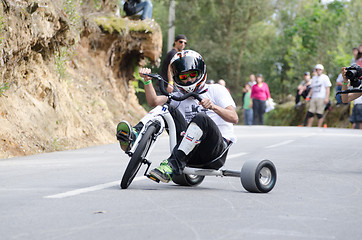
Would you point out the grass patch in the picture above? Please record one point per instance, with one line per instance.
(3, 88)
(119, 25)
(61, 59)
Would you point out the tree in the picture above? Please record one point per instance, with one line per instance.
(279, 38)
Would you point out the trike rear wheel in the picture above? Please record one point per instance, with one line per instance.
(187, 180)
(258, 176)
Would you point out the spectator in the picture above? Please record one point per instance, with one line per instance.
(350, 96)
(223, 83)
(178, 46)
(303, 88)
(247, 105)
(211, 81)
(356, 116)
(355, 54)
(132, 7)
(252, 81)
(319, 94)
(259, 93)
(339, 84)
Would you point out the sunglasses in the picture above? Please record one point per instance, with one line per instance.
(186, 75)
(182, 42)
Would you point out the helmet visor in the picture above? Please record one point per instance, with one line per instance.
(184, 76)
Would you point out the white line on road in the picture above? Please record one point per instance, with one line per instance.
(90, 189)
(280, 144)
(236, 155)
(110, 184)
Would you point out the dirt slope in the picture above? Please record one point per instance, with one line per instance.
(69, 81)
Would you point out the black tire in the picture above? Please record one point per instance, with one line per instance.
(187, 180)
(135, 163)
(258, 176)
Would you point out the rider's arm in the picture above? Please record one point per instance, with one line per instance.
(228, 114)
(170, 80)
(152, 99)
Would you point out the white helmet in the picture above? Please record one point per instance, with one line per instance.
(185, 61)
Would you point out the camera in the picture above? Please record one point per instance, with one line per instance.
(354, 74)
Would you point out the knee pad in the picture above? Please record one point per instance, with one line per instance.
(191, 138)
(319, 116)
(309, 114)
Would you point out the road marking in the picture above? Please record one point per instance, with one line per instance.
(90, 189)
(280, 144)
(110, 184)
(236, 155)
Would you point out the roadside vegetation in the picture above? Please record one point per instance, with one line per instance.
(280, 39)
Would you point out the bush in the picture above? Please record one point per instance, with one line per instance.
(287, 115)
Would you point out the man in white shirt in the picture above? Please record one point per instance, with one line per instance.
(319, 94)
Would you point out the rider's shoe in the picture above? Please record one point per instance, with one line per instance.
(162, 173)
(126, 135)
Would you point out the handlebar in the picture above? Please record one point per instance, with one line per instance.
(170, 95)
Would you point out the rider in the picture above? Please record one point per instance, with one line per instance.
(208, 124)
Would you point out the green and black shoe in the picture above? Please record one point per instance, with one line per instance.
(162, 173)
(126, 135)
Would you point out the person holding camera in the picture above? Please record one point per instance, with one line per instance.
(346, 84)
(352, 77)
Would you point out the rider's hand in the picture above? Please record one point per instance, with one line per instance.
(169, 88)
(207, 104)
(143, 71)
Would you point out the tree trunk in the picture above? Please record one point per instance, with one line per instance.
(243, 43)
(171, 25)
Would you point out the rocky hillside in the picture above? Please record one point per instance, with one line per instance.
(66, 73)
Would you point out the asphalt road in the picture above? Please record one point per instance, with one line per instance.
(76, 194)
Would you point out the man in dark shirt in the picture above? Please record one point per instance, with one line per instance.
(178, 46)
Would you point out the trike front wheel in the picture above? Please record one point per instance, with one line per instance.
(138, 157)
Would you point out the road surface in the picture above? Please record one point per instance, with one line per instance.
(76, 194)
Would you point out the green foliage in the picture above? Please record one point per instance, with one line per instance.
(138, 79)
(118, 25)
(97, 4)
(287, 115)
(71, 8)
(280, 39)
(61, 59)
(3, 88)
